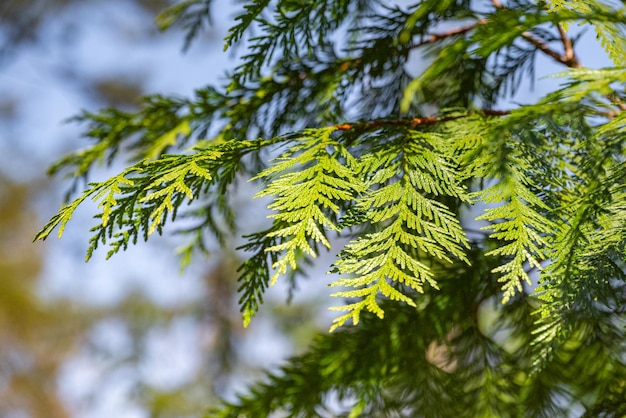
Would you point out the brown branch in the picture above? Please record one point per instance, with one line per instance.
(415, 122)
(453, 32)
(569, 54)
(613, 112)
(543, 47)
(568, 58)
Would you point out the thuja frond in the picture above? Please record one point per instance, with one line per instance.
(587, 261)
(516, 164)
(157, 128)
(254, 273)
(582, 282)
(518, 222)
(138, 201)
(522, 228)
(294, 29)
(192, 15)
(601, 89)
(410, 224)
(309, 183)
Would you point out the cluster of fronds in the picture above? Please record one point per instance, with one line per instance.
(399, 164)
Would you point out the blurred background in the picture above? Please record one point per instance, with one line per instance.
(131, 337)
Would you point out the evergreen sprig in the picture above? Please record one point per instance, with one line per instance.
(307, 200)
(139, 201)
(192, 15)
(410, 225)
(384, 122)
(518, 222)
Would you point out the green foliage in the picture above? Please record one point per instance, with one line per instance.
(611, 32)
(294, 30)
(192, 15)
(410, 225)
(356, 149)
(305, 199)
(139, 200)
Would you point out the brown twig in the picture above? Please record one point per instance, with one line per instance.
(569, 54)
(415, 122)
(543, 47)
(568, 58)
(453, 32)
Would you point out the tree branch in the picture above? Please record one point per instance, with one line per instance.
(453, 32)
(568, 58)
(569, 54)
(543, 47)
(415, 122)
(567, 43)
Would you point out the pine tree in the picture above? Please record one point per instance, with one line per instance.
(327, 114)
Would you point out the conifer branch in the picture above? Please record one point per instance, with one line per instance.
(415, 122)
(548, 178)
(453, 32)
(568, 58)
(543, 47)
(569, 54)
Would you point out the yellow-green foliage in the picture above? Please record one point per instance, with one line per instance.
(393, 167)
(411, 226)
